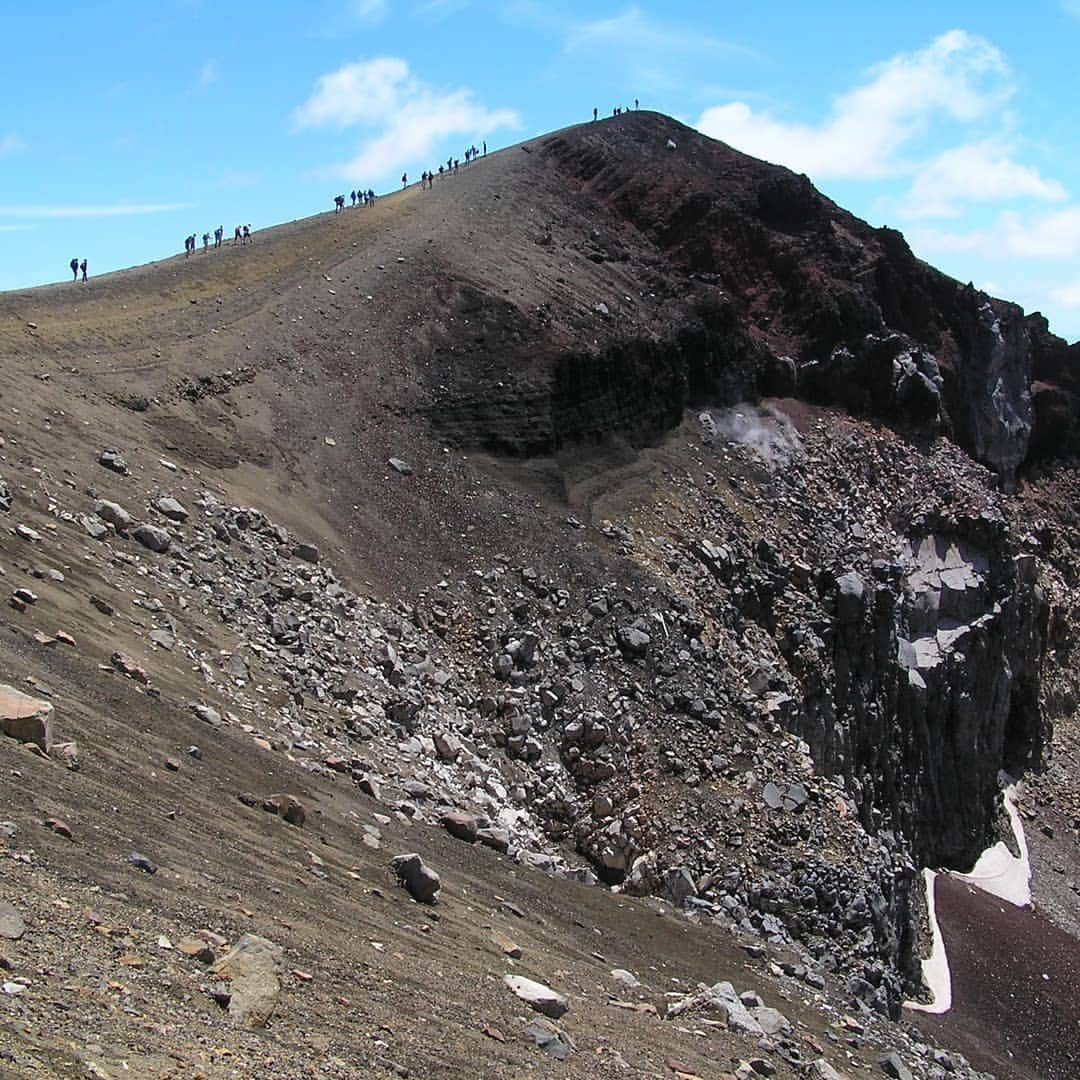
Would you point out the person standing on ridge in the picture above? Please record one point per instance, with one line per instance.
(82, 267)
(74, 264)
(404, 180)
(637, 104)
(595, 113)
(247, 234)
(485, 148)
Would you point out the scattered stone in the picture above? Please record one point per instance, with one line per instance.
(494, 1033)
(113, 460)
(494, 838)
(114, 514)
(102, 605)
(550, 1039)
(621, 975)
(287, 807)
(68, 754)
(197, 949)
(632, 641)
(141, 862)
(26, 596)
(506, 945)
(537, 996)
(126, 665)
(61, 828)
(720, 998)
(251, 969)
(12, 926)
(94, 527)
(306, 552)
(25, 718)
(400, 466)
(24, 532)
(822, 1070)
(420, 880)
(65, 638)
(207, 714)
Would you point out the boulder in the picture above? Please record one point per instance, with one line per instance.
(460, 825)
(420, 880)
(287, 807)
(154, 538)
(251, 969)
(25, 718)
(114, 514)
(537, 996)
(113, 461)
(12, 926)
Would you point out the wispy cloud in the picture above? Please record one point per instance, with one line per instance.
(959, 77)
(651, 53)
(30, 210)
(407, 116)
(208, 73)
(975, 172)
(11, 143)
(369, 11)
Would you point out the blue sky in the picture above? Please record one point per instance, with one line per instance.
(126, 125)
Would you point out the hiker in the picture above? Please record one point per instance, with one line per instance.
(219, 232)
(339, 203)
(82, 267)
(352, 198)
(637, 104)
(595, 113)
(485, 148)
(187, 246)
(404, 180)
(440, 172)
(205, 241)
(237, 235)
(456, 163)
(74, 264)
(247, 234)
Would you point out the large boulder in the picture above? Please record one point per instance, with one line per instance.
(251, 968)
(25, 718)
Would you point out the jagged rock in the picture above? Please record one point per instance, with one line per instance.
(632, 641)
(152, 537)
(207, 714)
(95, 528)
(459, 825)
(400, 466)
(141, 862)
(251, 969)
(494, 838)
(6, 496)
(822, 1070)
(720, 998)
(892, 1064)
(772, 1021)
(537, 996)
(549, 1039)
(420, 880)
(25, 718)
(173, 509)
(128, 666)
(447, 746)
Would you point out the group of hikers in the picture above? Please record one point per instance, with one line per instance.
(364, 198)
(76, 267)
(241, 235)
(427, 178)
(617, 111)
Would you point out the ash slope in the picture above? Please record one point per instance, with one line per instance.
(762, 662)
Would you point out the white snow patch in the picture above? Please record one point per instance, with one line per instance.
(997, 872)
(935, 967)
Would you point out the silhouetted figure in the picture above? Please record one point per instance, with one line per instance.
(206, 241)
(74, 264)
(219, 232)
(247, 234)
(352, 198)
(440, 172)
(595, 113)
(404, 180)
(339, 203)
(238, 235)
(82, 267)
(637, 104)
(456, 163)
(485, 148)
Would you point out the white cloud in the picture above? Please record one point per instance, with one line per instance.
(208, 73)
(1054, 236)
(369, 11)
(1068, 296)
(974, 172)
(11, 143)
(959, 76)
(408, 117)
(29, 210)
